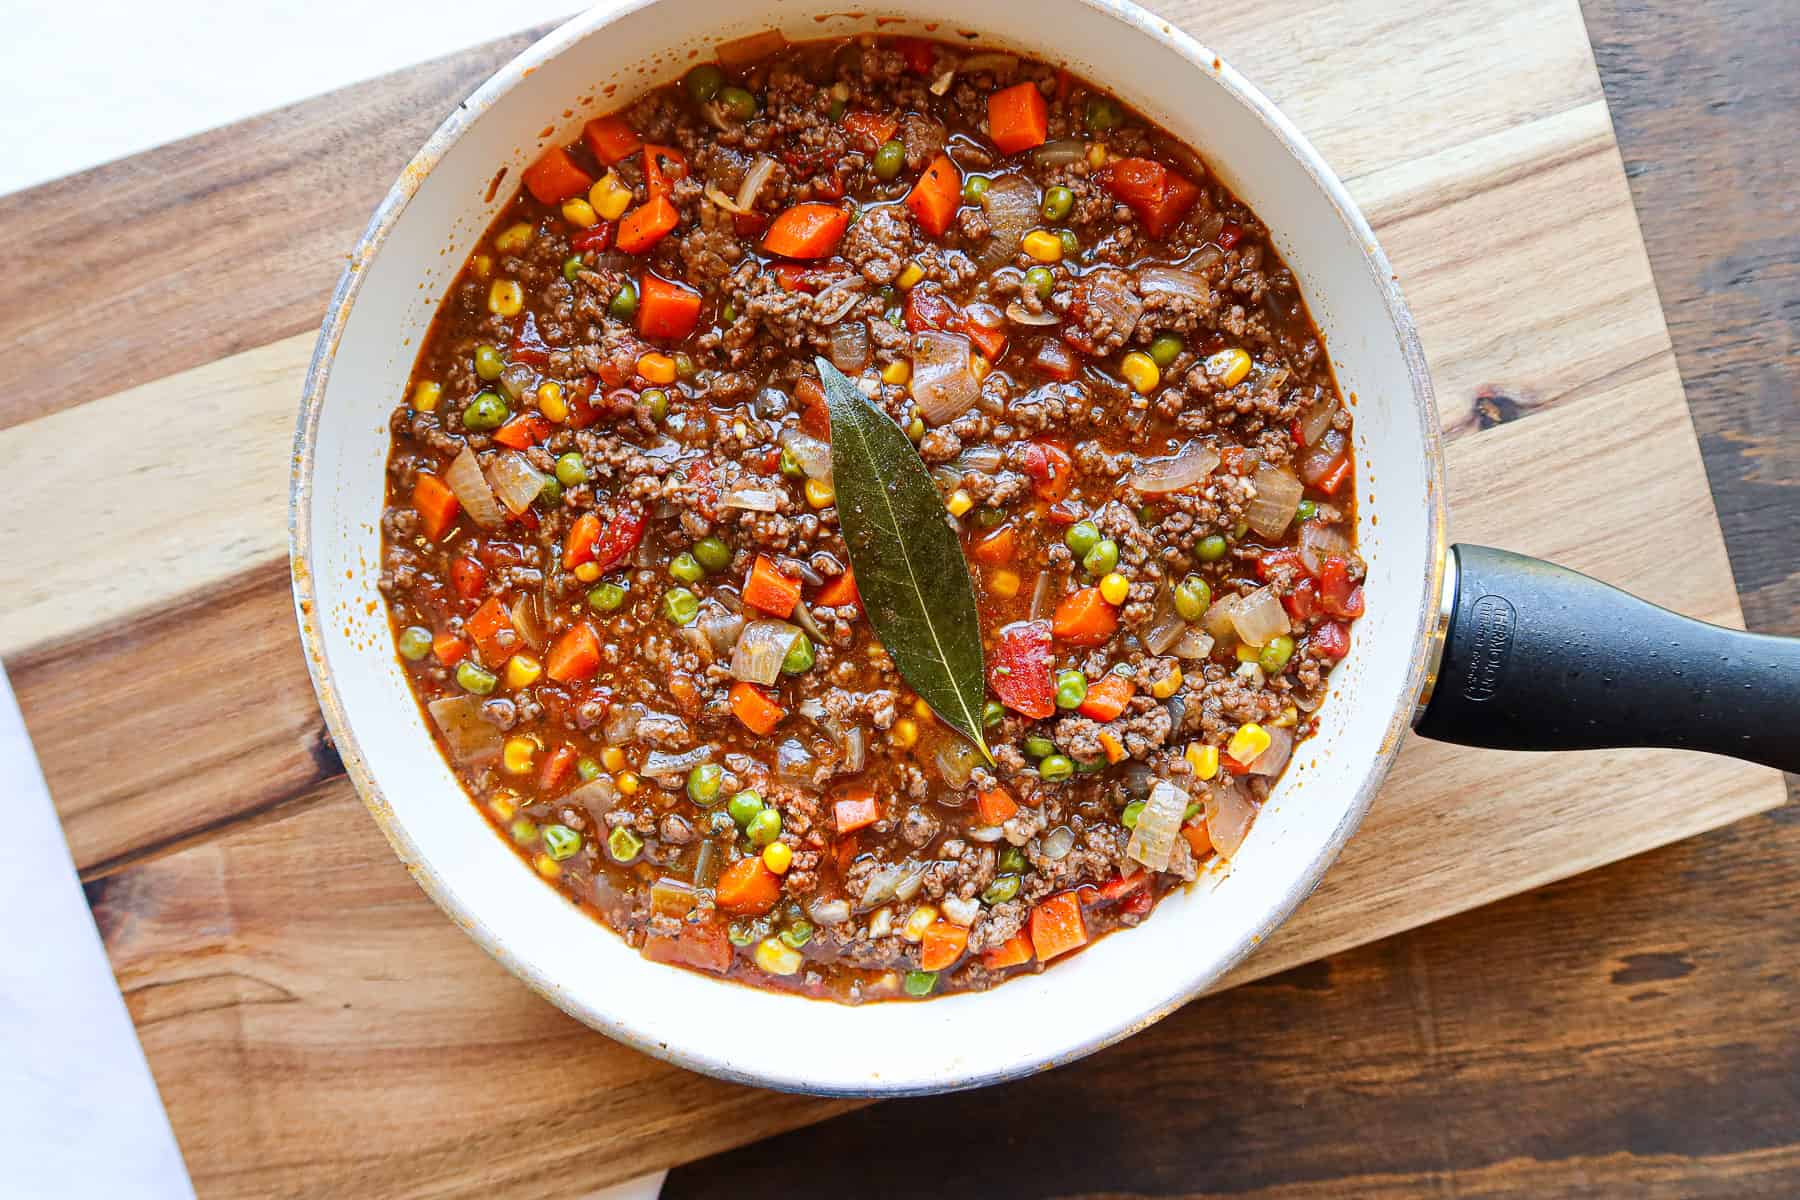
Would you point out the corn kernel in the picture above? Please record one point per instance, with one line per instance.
(922, 710)
(612, 758)
(587, 572)
(580, 213)
(1140, 371)
(657, 368)
(627, 783)
(778, 857)
(609, 196)
(426, 395)
(1228, 367)
(959, 503)
(1042, 245)
(1096, 154)
(522, 670)
(1203, 759)
(819, 493)
(483, 266)
(1004, 583)
(505, 806)
(517, 755)
(777, 957)
(1246, 653)
(514, 238)
(1248, 743)
(1165, 687)
(979, 366)
(921, 920)
(910, 274)
(905, 734)
(506, 298)
(1114, 587)
(1290, 717)
(550, 401)
(899, 372)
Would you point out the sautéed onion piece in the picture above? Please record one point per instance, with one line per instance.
(1158, 825)
(516, 482)
(1018, 315)
(1057, 843)
(464, 478)
(1281, 748)
(1319, 541)
(721, 626)
(760, 650)
(1277, 496)
(1259, 617)
(751, 499)
(1228, 816)
(1174, 281)
(468, 736)
(943, 380)
(525, 620)
(1011, 205)
(597, 795)
(1060, 153)
(660, 764)
(1166, 626)
(1155, 476)
(754, 179)
(956, 759)
(850, 346)
(813, 455)
(1317, 419)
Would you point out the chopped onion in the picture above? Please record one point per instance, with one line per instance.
(1040, 596)
(991, 60)
(1317, 419)
(794, 762)
(761, 649)
(1193, 166)
(597, 795)
(943, 381)
(879, 887)
(800, 567)
(696, 637)
(721, 625)
(1277, 496)
(468, 737)
(1019, 315)
(621, 725)
(802, 616)
(856, 744)
(910, 883)
(1194, 645)
(472, 491)
(1217, 619)
(1259, 617)
(515, 481)
(1318, 542)
(1059, 153)
(1320, 460)
(739, 52)
(525, 620)
(1281, 747)
(1011, 204)
(517, 379)
(752, 500)
(1158, 824)
(723, 201)
(850, 346)
(1057, 843)
(986, 833)
(881, 923)
(956, 759)
(1228, 817)
(1174, 281)
(1109, 293)
(1203, 259)
(985, 458)
(829, 912)
(660, 764)
(942, 83)
(813, 455)
(1166, 625)
(961, 910)
(831, 308)
(1157, 475)
(754, 178)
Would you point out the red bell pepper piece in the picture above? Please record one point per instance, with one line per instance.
(1020, 674)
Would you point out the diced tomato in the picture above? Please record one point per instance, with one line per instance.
(1064, 512)
(467, 576)
(1229, 234)
(1138, 903)
(611, 139)
(491, 629)
(701, 944)
(815, 414)
(1055, 359)
(1160, 197)
(1107, 698)
(1018, 118)
(1337, 595)
(448, 649)
(917, 53)
(528, 345)
(839, 592)
(1334, 479)
(1084, 618)
(750, 224)
(1020, 674)
(1274, 562)
(1057, 927)
(556, 767)
(623, 533)
(1332, 639)
(989, 339)
(575, 656)
(667, 311)
(1051, 469)
(872, 128)
(555, 177)
(856, 808)
(523, 431)
(1301, 601)
(928, 308)
(596, 237)
(1124, 885)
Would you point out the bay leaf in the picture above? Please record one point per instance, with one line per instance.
(908, 561)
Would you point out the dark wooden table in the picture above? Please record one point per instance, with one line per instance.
(1629, 1032)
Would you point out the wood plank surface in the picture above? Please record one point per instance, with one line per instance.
(295, 991)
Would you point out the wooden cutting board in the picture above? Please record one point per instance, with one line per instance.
(316, 1026)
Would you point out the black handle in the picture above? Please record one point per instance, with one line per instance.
(1537, 657)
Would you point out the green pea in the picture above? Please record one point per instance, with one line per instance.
(1004, 888)
(606, 597)
(1042, 281)
(975, 187)
(550, 492)
(1071, 245)
(587, 769)
(743, 806)
(624, 845)
(704, 783)
(1081, 537)
(1165, 349)
(1275, 654)
(654, 402)
(992, 713)
(1091, 766)
(684, 366)
(889, 159)
(687, 568)
(713, 553)
(486, 411)
(920, 983)
(835, 110)
(1013, 861)
(1102, 114)
(572, 266)
(1056, 767)
(1037, 745)
(799, 657)
(561, 842)
(414, 642)
(737, 103)
(790, 466)
(741, 933)
(1193, 810)
(1192, 598)
(570, 470)
(764, 827)
(703, 82)
(1071, 689)
(623, 306)
(1211, 548)
(680, 605)
(1307, 510)
(1129, 818)
(488, 363)
(1102, 558)
(1058, 201)
(729, 313)
(797, 934)
(524, 830)
(472, 678)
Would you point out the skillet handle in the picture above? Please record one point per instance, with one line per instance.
(1538, 657)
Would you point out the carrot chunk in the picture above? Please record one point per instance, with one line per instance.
(838, 593)
(856, 809)
(1107, 699)
(943, 943)
(1018, 118)
(995, 805)
(1010, 953)
(575, 656)
(751, 705)
(436, 504)
(487, 628)
(747, 887)
(611, 139)
(1057, 927)
(809, 230)
(1084, 618)
(554, 177)
(770, 590)
(934, 200)
(666, 310)
(646, 225)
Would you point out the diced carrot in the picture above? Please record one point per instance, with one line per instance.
(701, 944)
(810, 230)
(523, 431)
(1115, 750)
(936, 197)
(611, 139)
(855, 809)
(875, 128)
(815, 414)
(995, 805)
(1084, 618)
(753, 707)
(646, 225)
(1107, 699)
(448, 648)
(467, 576)
(666, 310)
(659, 181)
(557, 765)
(997, 548)
(1010, 953)
(943, 943)
(582, 536)
(1018, 118)
(1057, 927)
(554, 177)
(770, 590)
(575, 656)
(839, 592)
(989, 339)
(1199, 838)
(747, 887)
(436, 505)
(487, 627)
(845, 853)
